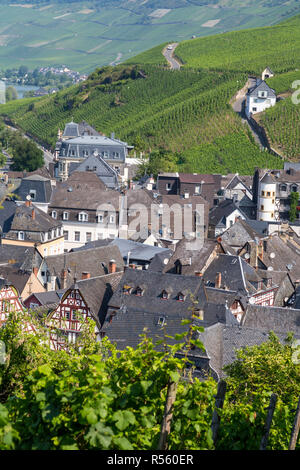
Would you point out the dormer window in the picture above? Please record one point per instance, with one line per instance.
(161, 321)
(164, 295)
(294, 188)
(180, 297)
(100, 218)
(262, 94)
(21, 236)
(54, 215)
(83, 217)
(32, 194)
(127, 289)
(65, 215)
(139, 291)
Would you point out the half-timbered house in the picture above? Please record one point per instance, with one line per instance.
(85, 299)
(9, 300)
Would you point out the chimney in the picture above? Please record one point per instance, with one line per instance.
(64, 279)
(28, 203)
(132, 266)
(261, 248)
(198, 274)
(218, 280)
(112, 267)
(35, 271)
(33, 214)
(85, 275)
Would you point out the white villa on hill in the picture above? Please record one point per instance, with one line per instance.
(259, 98)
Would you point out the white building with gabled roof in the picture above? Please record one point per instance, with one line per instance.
(259, 98)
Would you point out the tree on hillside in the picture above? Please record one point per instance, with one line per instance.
(11, 93)
(26, 156)
(159, 160)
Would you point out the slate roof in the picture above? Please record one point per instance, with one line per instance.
(83, 194)
(230, 181)
(222, 341)
(282, 256)
(153, 284)
(17, 277)
(94, 261)
(100, 167)
(32, 227)
(236, 275)
(23, 256)
(191, 260)
(98, 291)
(277, 319)
(240, 232)
(71, 130)
(41, 185)
(138, 251)
(218, 214)
(196, 178)
(77, 146)
(128, 315)
(261, 86)
(267, 179)
(7, 215)
(47, 298)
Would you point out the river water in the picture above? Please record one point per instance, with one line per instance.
(21, 89)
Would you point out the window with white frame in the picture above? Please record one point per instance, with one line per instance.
(21, 236)
(100, 218)
(112, 219)
(65, 215)
(54, 215)
(83, 217)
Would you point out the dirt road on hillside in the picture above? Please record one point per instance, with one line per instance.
(169, 55)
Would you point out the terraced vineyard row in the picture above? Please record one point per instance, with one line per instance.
(282, 124)
(184, 111)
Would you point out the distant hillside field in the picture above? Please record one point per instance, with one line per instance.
(185, 111)
(87, 34)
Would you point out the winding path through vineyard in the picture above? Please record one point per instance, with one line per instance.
(169, 55)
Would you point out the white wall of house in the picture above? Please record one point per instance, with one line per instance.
(80, 233)
(256, 105)
(240, 190)
(230, 220)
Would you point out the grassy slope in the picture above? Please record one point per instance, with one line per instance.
(186, 111)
